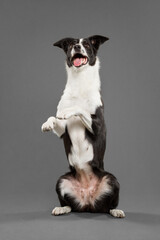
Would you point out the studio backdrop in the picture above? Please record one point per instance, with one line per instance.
(32, 79)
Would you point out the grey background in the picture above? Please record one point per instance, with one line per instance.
(32, 79)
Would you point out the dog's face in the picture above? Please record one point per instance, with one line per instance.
(81, 52)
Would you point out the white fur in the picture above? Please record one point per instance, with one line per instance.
(61, 210)
(81, 150)
(85, 195)
(49, 124)
(66, 187)
(54, 124)
(83, 50)
(77, 111)
(80, 98)
(82, 89)
(117, 213)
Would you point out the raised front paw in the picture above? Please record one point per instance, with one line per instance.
(48, 125)
(68, 113)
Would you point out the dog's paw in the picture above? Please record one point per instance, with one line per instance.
(61, 210)
(48, 125)
(68, 113)
(117, 213)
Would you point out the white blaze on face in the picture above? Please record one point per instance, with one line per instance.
(72, 52)
(83, 50)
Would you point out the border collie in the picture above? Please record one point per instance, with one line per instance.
(80, 123)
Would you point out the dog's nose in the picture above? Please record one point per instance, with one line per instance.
(77, 47)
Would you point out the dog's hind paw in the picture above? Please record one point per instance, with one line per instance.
(117, 213)
(61, 210)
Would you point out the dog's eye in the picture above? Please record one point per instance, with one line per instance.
(87, 45)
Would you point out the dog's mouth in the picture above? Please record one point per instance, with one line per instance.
(79, 59)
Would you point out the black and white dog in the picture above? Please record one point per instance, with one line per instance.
(80, 123)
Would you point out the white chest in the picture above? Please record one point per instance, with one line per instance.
(85, 102)
(82, 91)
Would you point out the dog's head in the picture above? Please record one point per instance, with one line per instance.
(81, 52)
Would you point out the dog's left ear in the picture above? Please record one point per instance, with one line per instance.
(97, 40)
(64, 43)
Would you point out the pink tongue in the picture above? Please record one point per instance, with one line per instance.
(77, 62)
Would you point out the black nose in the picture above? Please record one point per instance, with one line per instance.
(77, 47)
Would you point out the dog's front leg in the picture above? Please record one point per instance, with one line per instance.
(55, 125)
(77, 111)
(86, 120)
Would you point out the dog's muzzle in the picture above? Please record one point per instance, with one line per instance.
(79, 59)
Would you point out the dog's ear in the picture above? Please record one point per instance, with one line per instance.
(97, 40)
(64, 43)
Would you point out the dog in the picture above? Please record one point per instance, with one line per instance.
(79, 121)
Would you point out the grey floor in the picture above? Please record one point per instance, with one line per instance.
(41, 225)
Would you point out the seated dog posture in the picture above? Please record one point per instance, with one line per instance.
(80, 123)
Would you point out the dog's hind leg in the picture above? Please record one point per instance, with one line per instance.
(66, 189)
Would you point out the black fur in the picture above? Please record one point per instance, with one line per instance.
(67, 142)
(107, 201)
(91, 45)
(97, 139)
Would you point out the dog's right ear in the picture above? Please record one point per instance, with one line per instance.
(64, 43)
